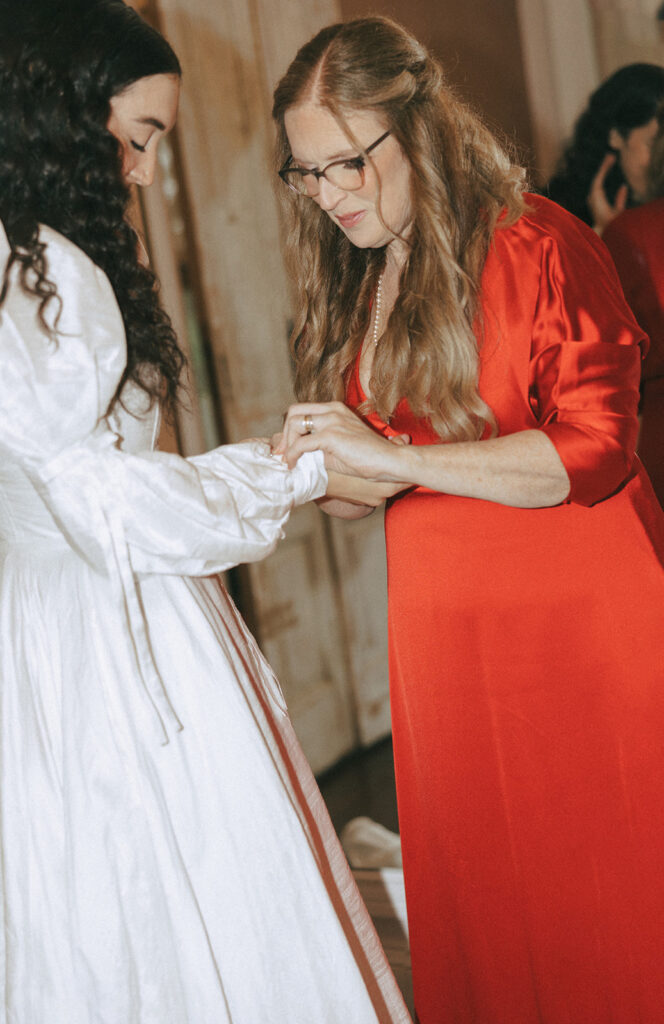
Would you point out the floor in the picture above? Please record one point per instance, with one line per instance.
(362, 785)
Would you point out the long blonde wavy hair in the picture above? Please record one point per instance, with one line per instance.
(462, 182)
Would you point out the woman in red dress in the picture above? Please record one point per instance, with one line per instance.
(524, 552)
(635, 241)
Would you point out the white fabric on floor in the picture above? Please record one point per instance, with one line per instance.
(368, 844)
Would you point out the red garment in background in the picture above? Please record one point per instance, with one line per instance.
(527, 672)
(636, 241)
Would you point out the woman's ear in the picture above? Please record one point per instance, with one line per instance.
(615, 140)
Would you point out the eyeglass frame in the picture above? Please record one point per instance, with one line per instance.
(318, 174)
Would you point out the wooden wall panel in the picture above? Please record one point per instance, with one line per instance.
(569, 47)
(561, 69)
(303, 597)
(479, 45)
(626, 31)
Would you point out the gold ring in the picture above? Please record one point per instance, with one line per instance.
(308, 424)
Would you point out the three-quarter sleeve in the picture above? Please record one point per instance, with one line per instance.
(585, 366)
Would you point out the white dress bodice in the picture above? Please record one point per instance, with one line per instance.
(25, 518)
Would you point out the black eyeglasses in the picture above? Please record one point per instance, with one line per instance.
(345, 174)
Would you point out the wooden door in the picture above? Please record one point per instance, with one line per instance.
(318, 604)
(627, 31)
(561, 68)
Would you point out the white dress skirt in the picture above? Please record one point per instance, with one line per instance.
(165, 855)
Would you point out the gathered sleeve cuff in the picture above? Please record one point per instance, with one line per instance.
(189, 517)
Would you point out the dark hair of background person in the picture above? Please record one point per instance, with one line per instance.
(628, 99)
(61, 62)
(656, 167)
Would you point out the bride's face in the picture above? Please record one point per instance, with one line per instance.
(141, 115)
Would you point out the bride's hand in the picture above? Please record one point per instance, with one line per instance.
(358, 491)
(602, 210)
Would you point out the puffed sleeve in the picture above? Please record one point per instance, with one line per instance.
(179, 516)
(586, 364)
(125, 514)
(182, 516)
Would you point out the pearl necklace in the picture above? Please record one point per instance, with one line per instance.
(379, 299)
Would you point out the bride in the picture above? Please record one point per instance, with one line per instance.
(165, 854)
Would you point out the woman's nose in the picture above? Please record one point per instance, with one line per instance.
(329, 194)
(140, 168)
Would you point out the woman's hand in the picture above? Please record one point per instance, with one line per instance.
(522, 469)
(603, 212)
(350, 446)
(358, 491)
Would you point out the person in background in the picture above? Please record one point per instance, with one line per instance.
(166, 855)
(436, 300)
(604, 168)
(635, 240)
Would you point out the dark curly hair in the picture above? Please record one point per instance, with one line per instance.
(628, 99)
(61, 62)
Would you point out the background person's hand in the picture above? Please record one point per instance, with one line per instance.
(602, 210)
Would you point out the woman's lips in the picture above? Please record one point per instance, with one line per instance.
(350, 220)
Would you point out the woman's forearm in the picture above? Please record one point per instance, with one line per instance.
(340, 509)
(358, 490)
(523, 470)
(353, 497)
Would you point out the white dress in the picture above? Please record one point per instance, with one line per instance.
(165, 857)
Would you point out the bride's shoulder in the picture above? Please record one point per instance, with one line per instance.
(80, 304)
(64, 259)
(63, 255)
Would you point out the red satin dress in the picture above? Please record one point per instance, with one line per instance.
(527, 672)
(635, 239)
